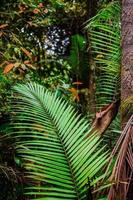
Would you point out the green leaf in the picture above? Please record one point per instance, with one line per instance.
(51, 141)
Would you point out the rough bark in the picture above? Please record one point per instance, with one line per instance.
(127, 61)
(91, 103)
(127, 50)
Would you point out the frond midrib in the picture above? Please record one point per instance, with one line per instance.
(51, 119)
(66, 156)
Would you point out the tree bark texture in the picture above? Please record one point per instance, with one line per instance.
(90, 96)
(127, 49)
(127, 61)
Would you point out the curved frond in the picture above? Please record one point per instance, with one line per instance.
(52, 142)
(122, 172)
(104, 33)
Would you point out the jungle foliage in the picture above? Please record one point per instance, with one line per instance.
(59, 101)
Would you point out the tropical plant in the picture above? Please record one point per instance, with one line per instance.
(104, 34)
(60, 160)
(122, 172)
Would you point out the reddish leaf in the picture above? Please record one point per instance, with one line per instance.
(27, 62)
(26, 52)
(8, 68)
(77, 83)
(40, 5)
(34, 59)
(74, 94)
(3, 26)
(36, 11)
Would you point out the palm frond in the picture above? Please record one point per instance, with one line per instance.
(104, 33)
(123, 169)
(52, 142)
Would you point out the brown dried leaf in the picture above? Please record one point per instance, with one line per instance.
(123, 169)
(27, 52)
(27, 62)
(104, 118)
(3, 26)
(8, 68)
(74, 93)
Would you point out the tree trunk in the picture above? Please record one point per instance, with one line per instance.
(127, 51)
(127, 62)
(90, 94)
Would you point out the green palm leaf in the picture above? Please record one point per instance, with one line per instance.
(104, 33)
(52, 142)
